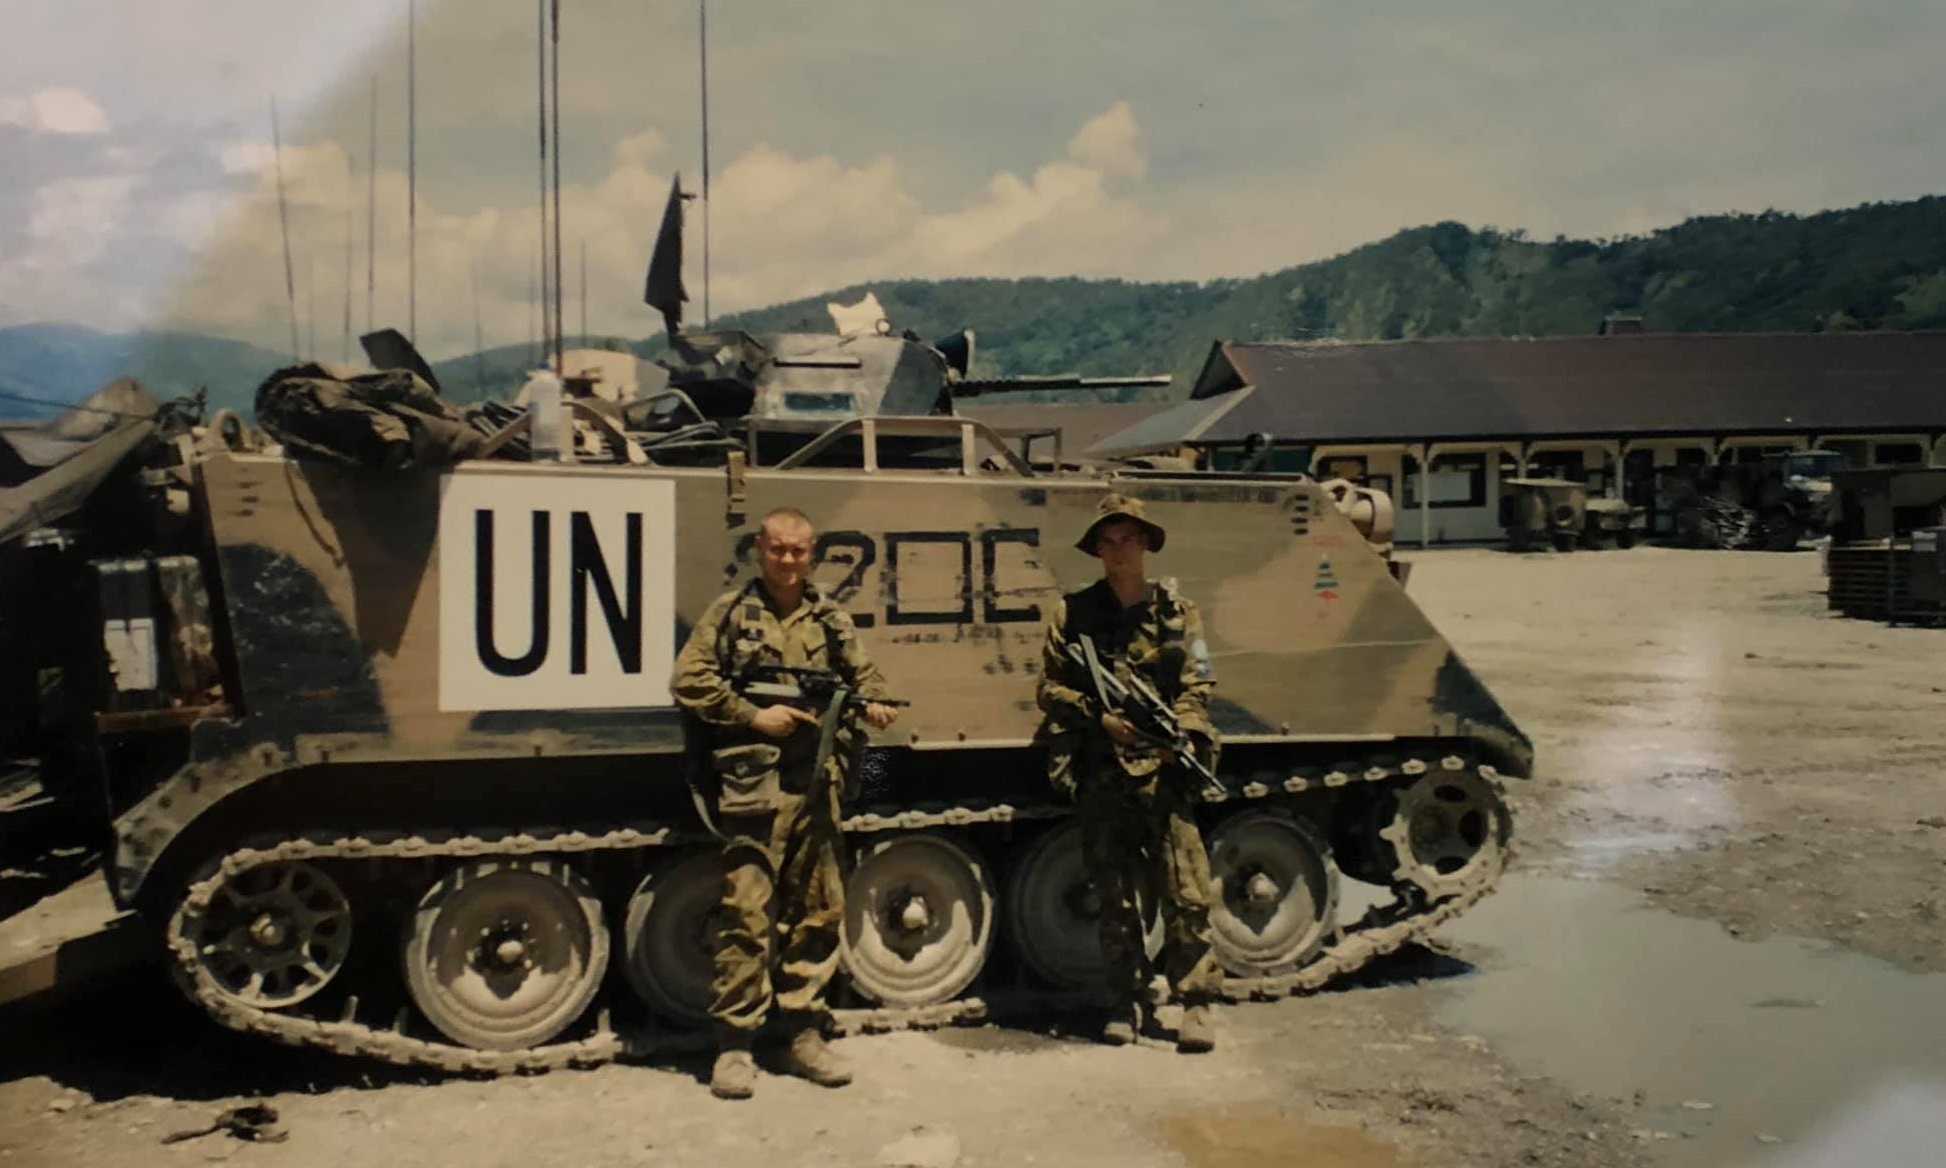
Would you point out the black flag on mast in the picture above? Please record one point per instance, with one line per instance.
(664, 290)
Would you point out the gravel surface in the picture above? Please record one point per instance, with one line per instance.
(1707, 734)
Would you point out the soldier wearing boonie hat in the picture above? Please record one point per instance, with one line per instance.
(1134, 802)
(1115, 507)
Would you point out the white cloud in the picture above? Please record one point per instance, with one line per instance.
(638, 149)
(1264, 136)
(74, 219)
(54, 111)
(1110, 143)
(782, 226)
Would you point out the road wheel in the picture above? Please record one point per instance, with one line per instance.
(1054, 913)
(1276, 891)
(668, 951)
(918, 919)
(506, 954)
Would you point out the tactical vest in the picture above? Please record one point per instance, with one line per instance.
(744, 650)
(1165, 670)
(749, 768)
(1074, 750)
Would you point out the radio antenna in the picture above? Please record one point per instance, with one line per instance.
(702, 44)
(479, 331)
(371, 210)
(560, 360)
(412, 171)
(351, 229)
(540, 49)
(284, 225)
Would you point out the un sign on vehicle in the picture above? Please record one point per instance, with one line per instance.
(556, 591)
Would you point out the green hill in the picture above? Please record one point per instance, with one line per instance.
(44, 366)
(1879, 266)
(1876, 266)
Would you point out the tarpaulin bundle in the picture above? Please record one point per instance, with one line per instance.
(388, 420)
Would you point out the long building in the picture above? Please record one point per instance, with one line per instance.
(1441, 423)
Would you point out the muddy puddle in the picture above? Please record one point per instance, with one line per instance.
(1771, 1054)
(1258, 1137)
(999, 1039)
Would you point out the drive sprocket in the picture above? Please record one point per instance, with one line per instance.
(1449, 832)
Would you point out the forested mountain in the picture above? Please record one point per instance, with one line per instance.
(1877, 266)
(1881, 266)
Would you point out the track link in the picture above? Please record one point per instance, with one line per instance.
(1382, 931)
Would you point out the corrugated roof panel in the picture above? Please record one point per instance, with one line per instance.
(1567, 386)
(1172, 427)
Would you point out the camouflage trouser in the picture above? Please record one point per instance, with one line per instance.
(1141, 844)
(786, 863)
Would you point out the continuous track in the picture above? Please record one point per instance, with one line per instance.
(1383, 930)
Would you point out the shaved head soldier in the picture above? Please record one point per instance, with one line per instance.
(780, 822)
(1133, 800)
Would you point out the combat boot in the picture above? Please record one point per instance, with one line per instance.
(809, 1058)
(1196, 1033)
(735, 1074)
(1124, 1024)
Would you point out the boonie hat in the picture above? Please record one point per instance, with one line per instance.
(1120, 507)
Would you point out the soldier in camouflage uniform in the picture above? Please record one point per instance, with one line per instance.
(1134, 805)
(780, 822)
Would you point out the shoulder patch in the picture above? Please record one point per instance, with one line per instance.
(1199, 653)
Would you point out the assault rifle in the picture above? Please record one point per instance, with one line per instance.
(825, 692)
(1136, 702)
(810, 687)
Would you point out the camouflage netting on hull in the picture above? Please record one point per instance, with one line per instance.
(388, 420)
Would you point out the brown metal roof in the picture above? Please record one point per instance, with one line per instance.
(1668, 383)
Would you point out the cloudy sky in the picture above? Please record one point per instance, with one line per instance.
(875, 139)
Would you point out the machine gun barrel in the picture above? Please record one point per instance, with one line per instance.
(1053, 381)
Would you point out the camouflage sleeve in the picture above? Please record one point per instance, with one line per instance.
(1198, 677)
(1058, 695)
(857, 665)
(698, 683)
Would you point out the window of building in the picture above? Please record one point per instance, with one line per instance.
(1457, 480)
(1898, 453)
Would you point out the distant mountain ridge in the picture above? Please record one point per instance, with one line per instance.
(63, 363)
(1875, 266)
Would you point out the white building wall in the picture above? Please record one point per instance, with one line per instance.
(1449, 482)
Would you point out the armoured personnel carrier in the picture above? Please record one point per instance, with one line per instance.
(393, 770)
(391, 767)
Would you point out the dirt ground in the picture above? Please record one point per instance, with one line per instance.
(1707, 735)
